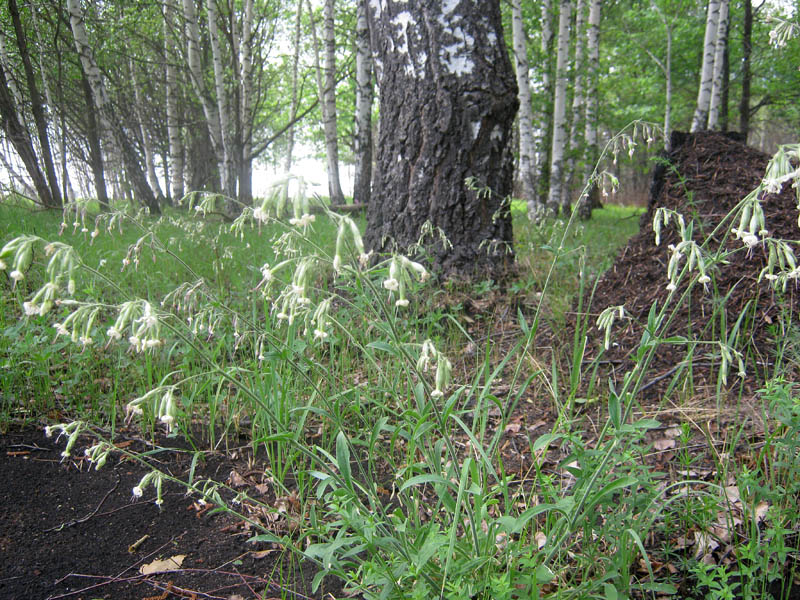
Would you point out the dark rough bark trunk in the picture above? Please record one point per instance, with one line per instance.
(37, 108)
(93, 137)
(21, 139)
(747, 48)
(448, 98)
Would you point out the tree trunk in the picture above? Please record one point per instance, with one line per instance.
(144, 193)
(707, 71)
(327, 98)
(717, 80)
(247, 94)
(53, 200)
(93, 137)
(576, 123)
(545, 142)
(363, 133)
(174, 113)
(560, 109)
(295, 70)
(527, 143)
(147, 146)
(20, 138)
(592, 198)
(747, 49)
(226, 167)
(448, 99)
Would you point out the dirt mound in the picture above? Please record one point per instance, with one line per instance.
(704, 177)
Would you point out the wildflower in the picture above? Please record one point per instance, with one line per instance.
(391, 284)
(48, 431)
(3, 265)
(16, 275)
(86, 340)
(137, 492)
(114, 333)
(152, 343)
(30, 308)
(266, 273)
(320, 334)
(103, 262)
(750, 240)
(60, 329)
(84, 230)
(671, 287)
(401, 302)
(95, 233)
(260, 215)
(49, 249)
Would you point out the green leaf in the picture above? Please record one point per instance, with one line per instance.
(384, 346)
(543, 441)
(426, 478)
(343, 459)
(610, 591)
(614, 411)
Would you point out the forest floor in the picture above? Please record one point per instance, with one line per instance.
(66, 532)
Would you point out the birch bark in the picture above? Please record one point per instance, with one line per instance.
(295, 72)
(174, 129)
(527, 142)
(576, 122)
(363, 133)
(246, 114)
(591, 199)
(144, 193)
(717, 79)
(707, 71)
(560, 109)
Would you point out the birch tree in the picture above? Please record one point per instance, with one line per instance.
(576, 122)
(591, 199)
(717, 80)
(295, 74)
(173, 112)
(560, 109)
(326, 86)
(527, 142)
(363, 121)
(448, 97)
(707, 71)
(144, 193)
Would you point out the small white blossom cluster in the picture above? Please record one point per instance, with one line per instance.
(156, 479)
(402, 272)
(429, 356)
(348, 233)
(79, 323)
(606, 320)
(751, 223)
(781, 265)
(164, 405)
(727, 355)
(144, 323)
(98, 454)
(71, 430)
(685, 248)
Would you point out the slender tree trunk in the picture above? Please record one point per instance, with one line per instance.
(144, 193)
(576, 125)
(295, 70)
(93, 138)
(227, 164)
(15, 179)
(327, 98)
(447, 100)
(718, 73)
(20, 138)
(592, 198)
(726, 81)
(174, 113)
(747, 49)
(246, 86)
(37, 108)
(363, 137)
(147, 145)
(545, 143)
(527, 143)
(560, 109)
(707, 71)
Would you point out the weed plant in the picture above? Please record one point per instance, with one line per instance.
(389, 450)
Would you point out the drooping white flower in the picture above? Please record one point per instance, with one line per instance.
(137, 492)
(17, 275)
(60, 329)
(30, 308)
(671, 287)
(391, 284)
(401, 302)
(113, 333)
(320, 334)
(750, 240)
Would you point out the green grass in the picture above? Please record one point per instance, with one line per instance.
(387, 422)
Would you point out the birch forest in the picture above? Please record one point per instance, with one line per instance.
(144, 102)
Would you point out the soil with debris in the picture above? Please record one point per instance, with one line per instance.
(704, 177)
(68, 531)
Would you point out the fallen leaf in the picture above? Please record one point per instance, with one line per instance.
(761, 510)
(236, 480)
(262, 553)
(664, 444)
(160, 566)
(512, 428)
(540, 538)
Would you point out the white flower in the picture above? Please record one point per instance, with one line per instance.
(135, 343)
(152, 343)
(750, 240)
(48, 431)
(437, 394)
(49, 249)
(402, 302)
(282, 316)
(95, 233)
(60, 329)
(103, 263)
(114, 333)
(137, 492)
(3, 265)
(16, 275)
(391, 284)
(320, 334)
(86, 340)
(671, 287)
(84, 230)
(260, 214)
(704, 279)
(266, 273)
(167, 419)
(30, 308)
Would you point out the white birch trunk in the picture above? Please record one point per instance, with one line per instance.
(593, 67)
(363, 131)
(719, 59)
(11, 79)
(174, 132)
(295, 71)
(576, 126)
(560, 109)
(527, 144)
(246, 86)
(226, 166)
(544, 141)
(707, 71)
(210, 111)
(327, 98)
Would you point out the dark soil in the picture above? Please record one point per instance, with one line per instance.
(66, 531)
(704, 177)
